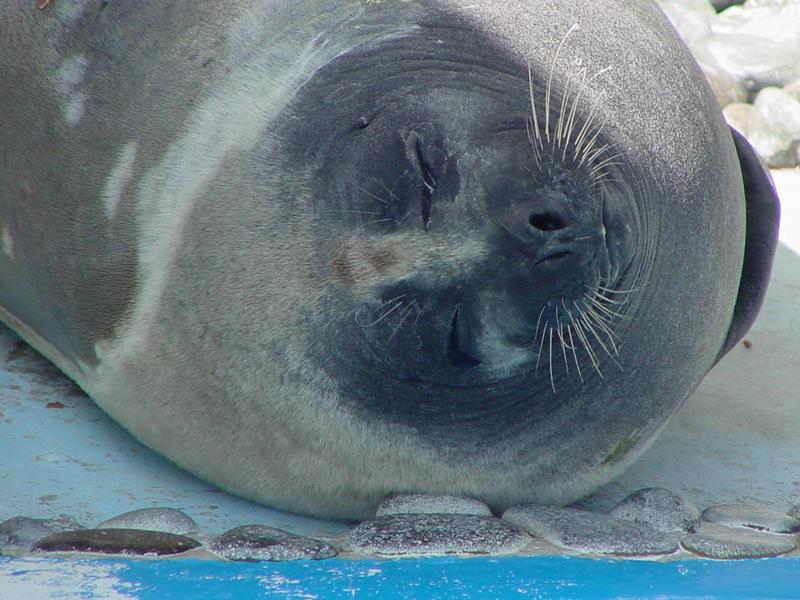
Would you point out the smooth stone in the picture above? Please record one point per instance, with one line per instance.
(793, 89)
(725, 543)
(166, 520)
(738, 115)
(259, 542)
(421, 504)
(751, 516)
(21, 533)
(658, 508)
(587, 532)
(759, 43)
(720, 5)
(727, 88)
(436, 535)
(692, 18)
(774, 128)
(116, 541)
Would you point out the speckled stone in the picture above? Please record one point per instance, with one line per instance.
(590, 533)
(20, 533)
(660, 509)
(259, 542)
(436, 534)
(751, 516)
(726, 543)
(116, 541)
(166, 520)
(421, 504)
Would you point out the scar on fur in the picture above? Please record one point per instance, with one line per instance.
(42, 4)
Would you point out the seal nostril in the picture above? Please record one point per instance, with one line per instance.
(547, 221)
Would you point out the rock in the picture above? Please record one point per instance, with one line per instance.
(421, 504)
(167, 520)
(587, 532)
(436, 534)
(259, 542)
(793, 89)
(751, 516)
(726, 87)
(692, 18)
(774, 127)
(715, 541)
(20, 533)
(116, 541)
(759, 44)
(720, 5)
(658, 508)
(738, 116)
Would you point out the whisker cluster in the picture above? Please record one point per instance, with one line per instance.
(565, 137)
(585, 326)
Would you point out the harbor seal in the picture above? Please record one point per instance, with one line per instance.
(321, 251)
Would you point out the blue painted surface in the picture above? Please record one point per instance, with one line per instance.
(513, 577)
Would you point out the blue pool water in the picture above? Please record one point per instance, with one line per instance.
(515, 577)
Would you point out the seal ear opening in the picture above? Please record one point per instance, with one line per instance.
(761, 240)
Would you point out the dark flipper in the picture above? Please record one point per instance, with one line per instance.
(761, 241)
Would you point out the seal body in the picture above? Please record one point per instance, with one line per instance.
(318, 252)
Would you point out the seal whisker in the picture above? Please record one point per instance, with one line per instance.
(596, 303)
(536, 130)
(541, 347)
(561, 341)
(599, 322)
(549, 89)
(615, 291)
(550, 362)
(588, 347)
(590, 143)
(590, 327)
(574, 353)
(404, 315)
(538, 322)
(399, 303)
(585, 83)
(371, 195)
(561, 123)
(584, 131)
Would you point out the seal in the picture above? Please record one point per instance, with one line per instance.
(322, 251)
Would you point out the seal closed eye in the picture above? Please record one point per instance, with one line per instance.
(329, 250)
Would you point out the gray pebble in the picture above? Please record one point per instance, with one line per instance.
(587, 532)
(774, 127)
(715, 541)
(720, 5)
(167, 520)
(738, 115)
(259, 542)
(116, 541)
(793, 89)
(660, 509)
(421, 504)
(751, 516)
(760, 44)
(692, 18)
(436, 534)
(20, 533)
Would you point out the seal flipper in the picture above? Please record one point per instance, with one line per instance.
(761, 240)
